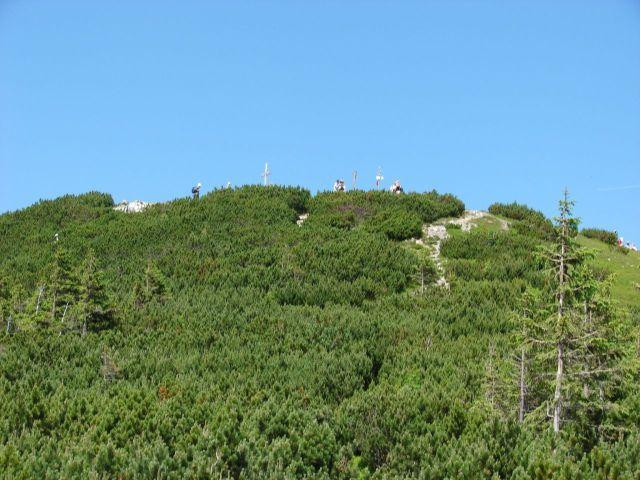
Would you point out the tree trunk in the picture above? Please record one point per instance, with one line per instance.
(522, 387)
(557, 397)
(84, 326)
(586, 392)
(53, 307)
(65, 311)
(38, 302)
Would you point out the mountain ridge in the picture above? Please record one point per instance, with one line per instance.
(241, 344)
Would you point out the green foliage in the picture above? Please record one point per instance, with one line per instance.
(152, 287)
(241, 345)
(397, 223)
(63, 284)
(95, 311)
(606, 236)
(503, 256)
(621, 265)
(399, 217)
(571, 338)
(527, 220)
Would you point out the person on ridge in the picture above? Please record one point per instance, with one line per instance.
(195, 191)
(396, 187)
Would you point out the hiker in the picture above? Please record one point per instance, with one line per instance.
(338, 186)
(396, 187)
(195, 191)
(620, 241)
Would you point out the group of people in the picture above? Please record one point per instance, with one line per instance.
(195, 191)
(630, 246)
(340, 186)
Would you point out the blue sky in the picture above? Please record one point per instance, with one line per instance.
(489, 100)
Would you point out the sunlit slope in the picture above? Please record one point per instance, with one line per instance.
(320, 351)
(624, 267)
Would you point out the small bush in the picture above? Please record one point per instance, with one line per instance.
(397, 224)
(623, 250)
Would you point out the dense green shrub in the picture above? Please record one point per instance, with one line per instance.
(246, 346)
(397, 223)
(428, 206)
(606, 236)
(399, 217)
(528, 221)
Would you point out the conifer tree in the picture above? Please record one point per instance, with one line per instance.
(425, 271)
(17, 317)
(153, 286)
(4, 299)
(571, 333)
(38, 306)
(525, 376)
(64, 286)
(93, 306)
(497, 378)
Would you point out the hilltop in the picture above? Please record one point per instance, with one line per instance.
(373, 339)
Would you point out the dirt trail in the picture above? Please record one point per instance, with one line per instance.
(438, 232)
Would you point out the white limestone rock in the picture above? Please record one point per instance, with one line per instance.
(136, 206)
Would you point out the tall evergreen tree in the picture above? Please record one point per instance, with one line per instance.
(425, 271)
(93, 306)
(4, 299)
(153, 286)
(64, 285)
(17, 316)
(571, 332)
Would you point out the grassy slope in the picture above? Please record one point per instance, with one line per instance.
(626, 269)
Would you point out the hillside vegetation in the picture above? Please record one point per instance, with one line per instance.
(624, 267)
(218, 339)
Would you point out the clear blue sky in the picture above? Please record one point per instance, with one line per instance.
(490, 100)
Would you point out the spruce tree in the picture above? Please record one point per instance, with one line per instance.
(39, 303)
(17, 316)
(93, 305)
(571, 332)
(4, 299)
(425, 271)
(64, 285)
(153, 286)
(525, 371)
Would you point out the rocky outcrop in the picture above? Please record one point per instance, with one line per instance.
(302, 218)
(136, 206)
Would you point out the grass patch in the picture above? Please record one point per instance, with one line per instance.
(625, 267)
